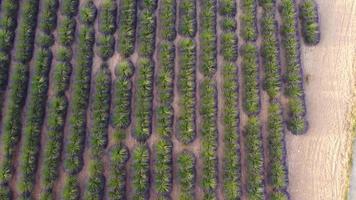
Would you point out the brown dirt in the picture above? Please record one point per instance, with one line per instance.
(318, 161)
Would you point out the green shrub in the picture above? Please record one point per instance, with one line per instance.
(33, 122)
(107, 17)
(140, 172)
(150, 5)
(248, 20)
(186, 175)
(96, 181)
(69, 8)
(255, 188)
(66, 31)
(250, 79)
(44, 40)
(64, 54)
(187, 18)
(208, 112)
(167, 17)
(277, 195)
(106, 46)
(227, 7)
(164, 82)
(88, 13)
(127, 27)
(310, 23)
(146, 33)
(48, 20)
(163, 167)
(144, 98)
(228, 24)
(186, 89)
(9, 11)
(80, 97)
(231, 163)
(228, 46)
(117, 179)
(71, 190)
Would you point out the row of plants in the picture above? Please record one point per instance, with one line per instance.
(186, 175)
(8, 24)
(144, 98)
(121, 111)
(37, 99)
(208, 112)
(163, 167)
(146, 32)
(140, 179)
(69, 8)
(186, 89)
(187, 13)
(253, 139)
(251, 100)
(107, 27)
(127, 27)
(248, 20)
(310, 22)
(80, 96)
(167, 18)
(164, 82)
(119, 155)
(17, 93)
(207, 37)
(71, 190)
(58, 104)
(228, 50)
(294, 88)
(95, 185)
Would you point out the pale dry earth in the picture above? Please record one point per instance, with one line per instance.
(319, 161)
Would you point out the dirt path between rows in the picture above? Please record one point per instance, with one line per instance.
(318, 161)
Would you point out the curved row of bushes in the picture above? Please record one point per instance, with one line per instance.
(310, 22)
(187, 18)
(37, 98)
(107, 27)
(17, 92)
(164, 82)
(167, 18)
(294, 88)
(57, 105)
(8, 24)
(144, 98)
(80, 96)
(119, 155)
(121, 111)
(207, 37)
(186, 88)
(251, 100)
(186, 175)
(140, 179)
(208, 112)
(127, 27)
(249, 20)
(253, 138)
(163, 167)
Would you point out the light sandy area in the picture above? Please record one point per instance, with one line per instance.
(318, 161)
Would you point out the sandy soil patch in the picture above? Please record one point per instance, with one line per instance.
(318, 161)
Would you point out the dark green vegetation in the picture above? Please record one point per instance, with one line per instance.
(116, 183)
(127, 27)
(248, 20)
(187, 18)
(186, 175)
(146, 32)
(140, 172)
(107, 27)
(310, 22)
(186, 89)
(167, 18)
(163, 167)
(297, 123)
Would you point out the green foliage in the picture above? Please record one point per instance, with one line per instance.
(163, 167)
(71, 190)
(231, 163)
(107, 17)
(250, 79)
(66, 31)
(117, 179)
(227, 7)
(106, 46)
(248, 20)
(88, 13)
(228, 24)
(186, 89)
(167, 17)
(9, 11)
(64, 54)
(44, 40)
(208, 112)
(80, 96)
(100, 112)
(208, 37)
(144, 98)
(48, 20)
(148, 4)
(187, 18)
(186, 175)
(164, 84)
(69, 8)
(34, 119)
(127, 27)
(228, 46)
(146, 33)
(310, 23)
(140, 172)
(96, 181)
(254, 159)
(122, 95)
(277, 195)
(269, 51)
